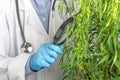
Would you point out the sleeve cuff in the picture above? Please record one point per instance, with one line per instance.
(28, 70)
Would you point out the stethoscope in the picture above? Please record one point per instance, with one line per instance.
(26, 47)
(59, 38)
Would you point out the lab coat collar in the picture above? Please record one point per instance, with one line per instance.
(26, 4)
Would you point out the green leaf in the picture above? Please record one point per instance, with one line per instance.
(117, 64)
(117, 78)
(103, 59)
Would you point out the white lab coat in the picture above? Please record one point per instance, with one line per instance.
(12, 61)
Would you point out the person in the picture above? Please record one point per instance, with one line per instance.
(39, 26)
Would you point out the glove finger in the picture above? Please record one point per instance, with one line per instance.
(55, 48)
(35, 67)
(48, 58)
(53, 54)
(44, 63)
(33, 64)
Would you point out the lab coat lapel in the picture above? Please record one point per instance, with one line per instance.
(31, 15)
(35, 22)
(55, 20)
(51, 24)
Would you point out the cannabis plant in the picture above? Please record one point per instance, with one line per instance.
(94, 53)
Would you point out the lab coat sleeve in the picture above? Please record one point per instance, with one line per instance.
(11, 68)
(16, 67)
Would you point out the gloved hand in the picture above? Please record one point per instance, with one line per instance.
(45, 56)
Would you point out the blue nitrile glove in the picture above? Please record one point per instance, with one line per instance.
(45, 56)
